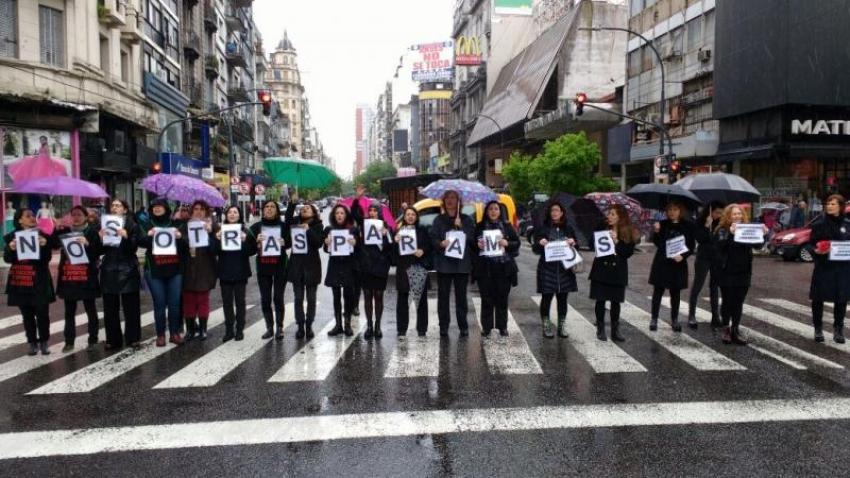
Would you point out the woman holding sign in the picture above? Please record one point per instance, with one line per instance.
(342, 243)
(234, 244)
(374, 264)
(412, 264)
(705, 264)
(494, 267)
(29, 284)
(119, 276)
(305, 265)
(272, 236)
(609, 275)
(554, 279)
(831, 276)
(674, 241)
(199, 271)
(77, 276)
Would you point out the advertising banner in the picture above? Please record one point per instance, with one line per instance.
(467, 51)
(512, 7)
(34, 153)
(433, 62)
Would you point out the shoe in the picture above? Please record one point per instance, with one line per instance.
(93, 341)
(444, 332)
(136, 345)
(818, 334)
(337, 328)
(464, 332)
(356, 312)
(160, 341)
(401, 334)
(309, 332)
(485, 332)
(279, 333)
(238, 336)
(615, 331)
(202, 329)
(228, 336)
(109, 346)
(675, 325)
(348, 330)
(299, 334)
(67, 348)
(43, 347)
(91, 345)
(176, 339)
(562, 327)
(838, 337)
(692, 323)
(716, 324)
(378, 333)
(600, 331)
(503, 332)
(727, 336)
(370, 332)
(191, 329)
(653, 324)
(737, 338)
(269, 334)
(422, 334)
(547, 328)
(33, 350)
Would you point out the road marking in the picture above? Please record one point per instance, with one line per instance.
(418, 356)
(315, 361)
(603, 357)
(791, 325)
(10, 321)
(215, 365)
(804, 310)
(507, 355)
(21, 337)
(412, 423)
(24, 364)
(104, 371)
(692, 351)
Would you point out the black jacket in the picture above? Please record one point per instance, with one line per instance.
(375, 260)
(272, 265)
(449, 265)
(29, 282)
(552, 277)
(704, 236)
(342, 270)
(501, 267)
(667, 273)
(306, 269)
(119, 267)
(830, 279)
(78, 282)
(423, 242)
(235, 266)
(734, 260)
(613, 270)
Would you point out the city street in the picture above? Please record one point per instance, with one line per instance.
(659, 404)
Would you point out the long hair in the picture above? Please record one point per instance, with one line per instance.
(726, 217)
(16, 219)
(459, 201)
(347, 221)
(224, 216)
(485, 218)
(203, 204)
(683, 213)
(626, 232)
(707, 209)
(415, 212)
(276, 208)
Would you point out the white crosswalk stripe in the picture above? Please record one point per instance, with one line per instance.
(804, 310)
(10, 321)
(509, 355)
(791, 325)
(21, 337)
(418, 356)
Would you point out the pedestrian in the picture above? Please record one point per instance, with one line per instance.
(735, 271)
(78, 282)
(120, 280)
(29, 284)
(234, 270)
(830, 278)
(798, 215)
(670, 273)
(305, 266)
(553, 279)
(609, 274)
(416, 264)
(199, 276)
(271, 268)
(451, 270)
(359, 192)
(404, 207)
(373, 268)
(705, 264)
(341, 275)
(497, 273)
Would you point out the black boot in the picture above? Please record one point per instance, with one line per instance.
(309, 332)
(692, 322)
(269, 328)
(370, 332)
(191, 328)
(228, 334)
(348, 331)
(43, 346)
(737, 338)
(299, 334)
(202, 329)
(600, 330)
(615, 331)
(378, 333)
(279, 330)
(653, 324)
(818, 330)
(838, 332)
(716, 324)
(33, 349)
(337, 328)
(674, 323)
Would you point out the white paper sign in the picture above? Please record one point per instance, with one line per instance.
(110, 225)
(372, 232)
(339, 242)
(407, 241)
(75, 251)
(491, 238)
(603, 243)
(676, 247)
(555, 251)
(299, 240)
(231, 237)
(26, 245)
(749, 233)
(457, 244)
(839, 250)
(573, 258)
(198, 236)
(271, 242)
(164, 241)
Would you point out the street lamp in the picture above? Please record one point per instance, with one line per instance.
(481, 165)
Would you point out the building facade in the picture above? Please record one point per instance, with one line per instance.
(434, 117)
(284, 79)
(363, 115)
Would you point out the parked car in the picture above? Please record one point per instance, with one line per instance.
(429, 209)
(793, 244)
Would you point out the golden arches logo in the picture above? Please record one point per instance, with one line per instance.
(467, 51)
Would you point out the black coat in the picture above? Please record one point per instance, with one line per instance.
(423, 242)
(272, 265)
(613, 270)
(119, 267)
(734, 260)
(342, 270)
(830, 279)
(704, 236)
(552, 277)
(78, 282)
(305, 269)
(374, 260)
(28, 283)
(667, 273)
(235, 266)
(449, 265)
(502, 267)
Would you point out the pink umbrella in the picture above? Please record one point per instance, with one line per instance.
(364, 203)
(34, 167)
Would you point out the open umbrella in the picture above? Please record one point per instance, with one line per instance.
(470, 191)
(302, 173)
(60, 186)
(185, 189)
(720, 187)
(582, 215)
(774, 206)
(657, 196)
(364, 203)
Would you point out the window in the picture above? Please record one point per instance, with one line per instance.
(51, 29)
(636, 7)
(277, 75)
(104, 55)
(694, 33)
(634, 63)
(125, 66)
(709, 25)
(9, 28)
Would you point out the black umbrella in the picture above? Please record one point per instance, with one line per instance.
(720, 187)
(657, 196)
(582, 215)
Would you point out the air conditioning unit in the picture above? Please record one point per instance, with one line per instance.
(704, 56)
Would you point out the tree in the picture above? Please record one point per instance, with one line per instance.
(373, 174)
(519, 175)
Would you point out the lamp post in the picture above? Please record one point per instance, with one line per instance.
(483, 166)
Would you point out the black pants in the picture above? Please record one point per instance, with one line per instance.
(495, 291)
(402, 312)
(702, 268)
(233, 292)
(300, 290)
(546, 304)
(341, 294)
(373, 301)
(112, 304)
(838, 313)
(356, 294)
(444, 287)
(36, 322)
(732, 307)
(71, 320)
(675, 297)
(271, 292)
(600, 312)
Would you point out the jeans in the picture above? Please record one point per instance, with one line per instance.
(271, 291)
(233, 292)
(71, 320)
(300, 290)
(36, 322)
(702, 268)
(112, 304)
(166, 294)
(444, 286)
(402, 312)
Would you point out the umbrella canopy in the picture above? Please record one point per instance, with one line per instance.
(185, 189)
(720, 187)
(364, 203)
(582, 215)
(470, 191)
(61, 186)
(656, 196)
(302, 173)
(774, 206)
(638, 215)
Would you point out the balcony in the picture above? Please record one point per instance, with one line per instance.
(111, 13)
(238, 95)
(235, 55)
(210, 21)
(234, 23)
(191, 45)
(211, 67)
(131, 31)
(196, 95)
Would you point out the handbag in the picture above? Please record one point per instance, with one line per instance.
(416, 277)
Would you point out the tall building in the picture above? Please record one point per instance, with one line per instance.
(284, 78)
(434, 113)
(362, 125)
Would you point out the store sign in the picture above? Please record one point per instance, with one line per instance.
(433, 62)
(820, 127)
(467, 51)
(179, 164)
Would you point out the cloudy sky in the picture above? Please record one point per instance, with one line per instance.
(347, 50)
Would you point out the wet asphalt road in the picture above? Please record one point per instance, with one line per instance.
(357, 385)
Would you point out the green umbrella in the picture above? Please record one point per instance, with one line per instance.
(302, 173)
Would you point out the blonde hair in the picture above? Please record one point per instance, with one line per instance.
(726, 217)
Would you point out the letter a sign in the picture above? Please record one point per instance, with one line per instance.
(271, 241)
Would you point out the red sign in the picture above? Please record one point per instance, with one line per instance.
(244, 188)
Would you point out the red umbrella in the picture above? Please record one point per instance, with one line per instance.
(364, 203)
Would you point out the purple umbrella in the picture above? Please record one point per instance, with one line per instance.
(61, 186)
(185, 189)
(470, 191)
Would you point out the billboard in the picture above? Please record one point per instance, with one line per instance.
(467, 51)
(34, 153)
(433, 62)
(512, 7)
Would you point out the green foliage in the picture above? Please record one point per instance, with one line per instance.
(518, 173)
(373, 173)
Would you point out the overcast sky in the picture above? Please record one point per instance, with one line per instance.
(347, 50)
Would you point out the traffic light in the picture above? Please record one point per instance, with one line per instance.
(581, 99)
(266, 99)
(156, 168)
(675, 167)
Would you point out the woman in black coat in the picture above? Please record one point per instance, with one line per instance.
(704, 265)
(735, 270)
(78, 282)
(670, 273)
(120, 280)
(234, 270)
(305, 268)
(830, 278)
(29, 284)
(495, 274)
(271, 270)
(609, 274)
(373, 267)
(553, 279)
(342, 270)
(420, 259)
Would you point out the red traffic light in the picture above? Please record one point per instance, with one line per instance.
(581, 99)
(266, 99)
(674, 166)
(156, 168)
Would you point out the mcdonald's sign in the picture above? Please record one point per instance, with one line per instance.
(467, 51)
